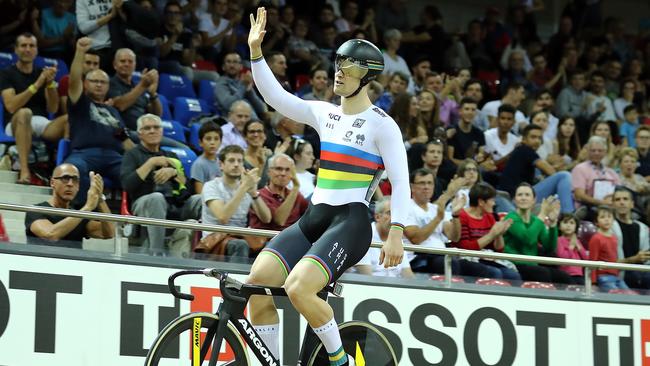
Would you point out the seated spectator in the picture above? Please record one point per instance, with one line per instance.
(369, 264)
(500, 141)
(541, 77)
(56, 30)
(632, 237)
(592, 181)
(545, 149)
(626, 98)
(228, 199)
(216, 30)
(570, 247)
(599, 105)
(278, 65)
(131, 99)
(467, 140)
(642, 138)
(628, 161)
(447, 106)
(515, 70)
(233, 131)
(90, 63)
(629, 126)
(473, 88)
(521, 168)
(155, 183)
(428, 225)
(69, 231)
(302, 53)
(404, 111)
(206, 167)
(429, 113)
(544, 102)
(434, 160)
(394, 62)
(303, 155)
(320, 87)
(480, 231)
(527, 232)
(397, 84)
(514, 95)
(602, 129)
(29, 95)
(420, 68)
(613, 70)
(572, 102)
(178, 46)
(603, 246)
(97, 137)
(567, 144)
(286, 204)
(233, 86)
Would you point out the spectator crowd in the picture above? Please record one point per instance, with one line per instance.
(515, 143)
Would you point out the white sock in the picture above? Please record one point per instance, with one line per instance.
(331, 338)
(270, 334)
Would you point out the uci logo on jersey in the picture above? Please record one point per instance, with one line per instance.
(335, 117)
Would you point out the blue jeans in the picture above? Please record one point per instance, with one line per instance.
(560, 184)
(498, 271)
(502, 204)
(105, 162)
(608, 282)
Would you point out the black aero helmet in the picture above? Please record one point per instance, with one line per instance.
(361, 59)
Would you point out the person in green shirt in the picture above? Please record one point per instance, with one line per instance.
(528, 232)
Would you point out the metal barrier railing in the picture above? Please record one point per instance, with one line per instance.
(447, 252)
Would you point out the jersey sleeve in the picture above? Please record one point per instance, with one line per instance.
(282, 101)
(390, 146)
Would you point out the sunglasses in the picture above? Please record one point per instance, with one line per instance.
(67, 179)
(351, 67)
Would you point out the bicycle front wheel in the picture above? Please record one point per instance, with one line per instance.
(177, 344)
(361, 340)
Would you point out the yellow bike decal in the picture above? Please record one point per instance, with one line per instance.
(359, 360)
(196, 342)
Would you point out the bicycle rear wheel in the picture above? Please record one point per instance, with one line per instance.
(361, 340)
(174, 345)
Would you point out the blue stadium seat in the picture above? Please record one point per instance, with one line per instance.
(173, 86)
(166, 111)
(7, 59)
(194, 137)
(61, 67)
(3, 137)
(136, 76)
(62, 151)
(186, 156)
(174, 130)
(206, 92)
(186, 108)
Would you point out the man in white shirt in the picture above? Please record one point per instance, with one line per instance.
(500, 141)
(239, 114)
(515, 94)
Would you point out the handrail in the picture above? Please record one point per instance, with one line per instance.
(270, 233)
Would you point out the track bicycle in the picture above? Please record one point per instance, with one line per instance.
(228, 337)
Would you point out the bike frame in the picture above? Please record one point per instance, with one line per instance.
(235, 299)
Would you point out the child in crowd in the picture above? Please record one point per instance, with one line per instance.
(206, 167)
(569, 247)
(629, 126)
(603, 246)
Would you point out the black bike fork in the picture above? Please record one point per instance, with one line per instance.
(225, 312)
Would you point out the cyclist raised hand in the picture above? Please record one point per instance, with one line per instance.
(358, 142)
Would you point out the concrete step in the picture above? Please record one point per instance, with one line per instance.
(104, 245)
(24, 199)
(8, 176)
(10, 188)
(16, 215)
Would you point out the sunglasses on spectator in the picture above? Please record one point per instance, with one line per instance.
(67, 179)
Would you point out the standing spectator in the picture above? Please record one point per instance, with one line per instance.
(629, 126)
(528, 231)
(155, 183)
(599, 104)
(480, 231)
(278, 65)
(130, 98)
(303, 155)
(303, 54)
(206, 167)
(541, 76)
(643, 148)
(500, 141)
(429, 35)
(228, 199)
(570, 247)
(397, 84)
(520, 168)
(626, 98)
(233, 131)
(613, 71)
(29, 94)
(513, 96)
(633, 239)
(592, 181)
(467, 140)
(233, 86)
(69, 231)
(97, 136)
(603, 246)
(394, 62)
(216, 31)
(321, 89)
(93, 18)
(90, 63)
(56, 30)
(421, 67)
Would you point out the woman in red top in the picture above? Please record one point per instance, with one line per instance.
(481, 231)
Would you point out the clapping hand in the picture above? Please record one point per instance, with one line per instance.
(94, 192)
(501, 227)
(250, 179)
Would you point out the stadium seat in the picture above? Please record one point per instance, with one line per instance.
(194, 137)
(174, 130)
(441, 278)
(535, 284)
(166, 111)
(206, 92)
(186, 108)
(7, 59)
(61, 67)
(3, 137)
(186, 156)
(174, 86)
(492, 282)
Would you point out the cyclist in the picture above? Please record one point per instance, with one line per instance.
(358, 140)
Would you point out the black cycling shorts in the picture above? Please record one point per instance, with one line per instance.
(333, 237)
